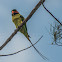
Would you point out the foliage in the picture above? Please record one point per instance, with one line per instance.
(56, 32)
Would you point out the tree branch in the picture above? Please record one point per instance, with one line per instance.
(19, 27)
(52, 15)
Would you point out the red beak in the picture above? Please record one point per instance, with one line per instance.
(13, 12)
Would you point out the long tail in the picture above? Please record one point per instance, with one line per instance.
(37, 50)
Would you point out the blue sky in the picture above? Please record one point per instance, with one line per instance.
(37, 26)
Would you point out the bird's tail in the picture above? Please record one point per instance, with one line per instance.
(36, 49)
(27, 36)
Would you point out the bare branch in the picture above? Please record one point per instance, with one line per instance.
(52, 15)
(22, 49)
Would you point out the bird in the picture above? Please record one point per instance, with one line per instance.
(17, 19)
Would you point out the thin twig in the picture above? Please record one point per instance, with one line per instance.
(52, 15)
(22, 49)
(19, 27)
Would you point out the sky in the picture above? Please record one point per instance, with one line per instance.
(38, 25)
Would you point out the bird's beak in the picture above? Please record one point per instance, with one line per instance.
(12, 12)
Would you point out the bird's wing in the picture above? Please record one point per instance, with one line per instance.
(25, 24)
(22, 17)
(23, 20)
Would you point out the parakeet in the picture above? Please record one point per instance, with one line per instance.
(18, 19)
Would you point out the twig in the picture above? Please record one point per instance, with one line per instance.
(52, 15)
(22, 49)
(19, 27)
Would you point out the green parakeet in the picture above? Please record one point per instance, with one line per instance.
(18, 19)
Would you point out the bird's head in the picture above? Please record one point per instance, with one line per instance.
(14, 12)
